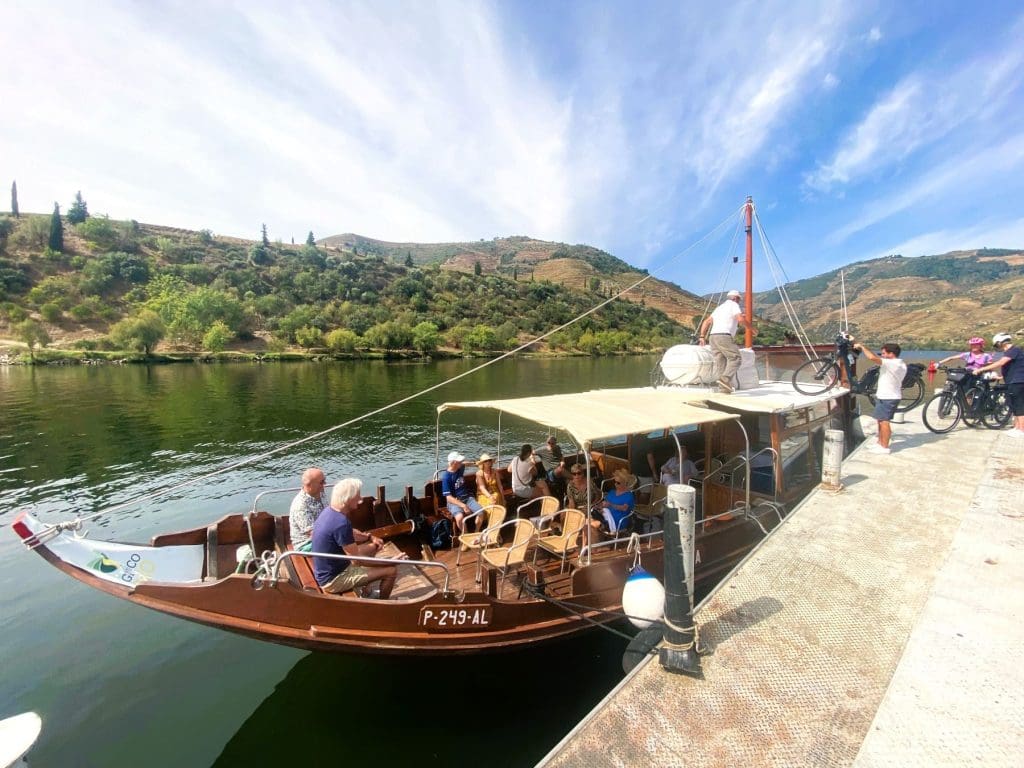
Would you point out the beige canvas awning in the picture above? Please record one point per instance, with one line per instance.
(605, 413)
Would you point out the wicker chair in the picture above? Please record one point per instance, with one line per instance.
(510, 558)
(561, 545)
(488, 521)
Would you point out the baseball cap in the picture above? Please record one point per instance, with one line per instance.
(456, 456)
(733, 293)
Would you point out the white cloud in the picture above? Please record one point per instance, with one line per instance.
(988, 234)
(830, 81)
(920, 110)
(874, 34)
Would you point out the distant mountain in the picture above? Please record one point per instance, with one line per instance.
(577, 267)
(926, 301)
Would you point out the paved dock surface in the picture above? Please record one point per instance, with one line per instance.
(881, 625)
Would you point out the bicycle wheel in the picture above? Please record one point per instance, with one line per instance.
(974, 406)
(997, 411)
(942, 413)
(816, 376)
(913, 394)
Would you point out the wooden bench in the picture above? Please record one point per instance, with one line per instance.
(300, 569)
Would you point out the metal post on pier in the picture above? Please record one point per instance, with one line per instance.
(678, 652)
(832, 459)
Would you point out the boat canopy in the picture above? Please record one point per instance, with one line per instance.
(769, 397)
(602, 414)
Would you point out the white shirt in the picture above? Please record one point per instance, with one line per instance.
(725, 318)
(522, 476)
(890, 379)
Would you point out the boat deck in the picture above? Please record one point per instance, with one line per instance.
(879, 625)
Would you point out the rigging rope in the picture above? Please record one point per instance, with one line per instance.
(55, 528)
(775, 265)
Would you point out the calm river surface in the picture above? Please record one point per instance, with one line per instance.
(118, 685)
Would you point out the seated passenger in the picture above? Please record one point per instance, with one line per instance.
(674, 472)
(488, 487)
(525, 482)
(620, 501)
(453, 486)
(334, 534)
(306, 508)
(578, 493)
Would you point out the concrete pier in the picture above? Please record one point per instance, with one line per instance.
(880, 625)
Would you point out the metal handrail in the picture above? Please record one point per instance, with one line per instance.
(252, 511)
(273, 577)
(586, 550)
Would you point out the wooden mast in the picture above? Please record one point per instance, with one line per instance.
(748, 304)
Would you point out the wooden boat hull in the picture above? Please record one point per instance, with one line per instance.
(286, 614)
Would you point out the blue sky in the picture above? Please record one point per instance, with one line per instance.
(860, 129)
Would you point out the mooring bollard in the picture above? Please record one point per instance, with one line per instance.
(679, 649)
(832, 459)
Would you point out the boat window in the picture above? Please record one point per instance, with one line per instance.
(796, 418)
(687, 428)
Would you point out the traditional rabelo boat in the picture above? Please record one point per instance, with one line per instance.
(438, 605)
(523, 583)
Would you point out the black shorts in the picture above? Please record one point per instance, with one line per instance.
(1016, 394)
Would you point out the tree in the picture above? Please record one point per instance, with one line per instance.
(78, 212)
(56, 230)
(32, 333)
(141, 332)
(425, 337)
(266, 240)
(408, 259)
(476, 268)
(341, 340)
(217, 337)
(14, 200)
(310, 240)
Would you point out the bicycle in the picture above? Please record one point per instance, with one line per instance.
(820, 374)
(966, 397)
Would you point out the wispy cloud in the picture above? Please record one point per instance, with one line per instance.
(921, 109)
(987, 234)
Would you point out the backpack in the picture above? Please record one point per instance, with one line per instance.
(441, 534)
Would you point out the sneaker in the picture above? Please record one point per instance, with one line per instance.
(879, 449)
(725, 385)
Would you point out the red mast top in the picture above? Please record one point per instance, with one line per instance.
(748, 301)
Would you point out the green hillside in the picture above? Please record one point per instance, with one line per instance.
(928, 301)
(121, 284)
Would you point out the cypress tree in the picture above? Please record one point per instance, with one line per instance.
(266, 240)
(14, 200)
(56, 230)
(79, 211)
(310, 240)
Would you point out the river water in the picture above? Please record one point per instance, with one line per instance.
(118, 685)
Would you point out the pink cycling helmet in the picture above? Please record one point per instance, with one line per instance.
(976, 340)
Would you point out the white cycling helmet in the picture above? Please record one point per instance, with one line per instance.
(1001, 338)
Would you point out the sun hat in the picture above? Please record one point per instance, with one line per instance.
(733, 293)
(1001, 338)
(977, 340)
(456, 456)
(485, 457)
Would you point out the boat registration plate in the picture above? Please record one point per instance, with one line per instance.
(448, 617)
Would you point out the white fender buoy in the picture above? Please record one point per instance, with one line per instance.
(643, 599)
(17, 735)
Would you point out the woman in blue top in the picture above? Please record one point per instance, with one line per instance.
(619, 502)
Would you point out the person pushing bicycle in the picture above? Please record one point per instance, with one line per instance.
(890, 389)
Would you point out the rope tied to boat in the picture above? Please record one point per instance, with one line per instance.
(692, 645)
(571, 608)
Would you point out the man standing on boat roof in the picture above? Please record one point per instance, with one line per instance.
(723, 324)
(453, 486)
(306, 508)
(890, 389)
(334, 534)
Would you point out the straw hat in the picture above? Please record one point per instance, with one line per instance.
(624, 477)
(485, 457)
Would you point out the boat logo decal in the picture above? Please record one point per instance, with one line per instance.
(103, 564)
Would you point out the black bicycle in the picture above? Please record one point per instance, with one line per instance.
(968, 397)
(821, 374)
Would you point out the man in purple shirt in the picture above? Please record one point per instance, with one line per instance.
(333, 534)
